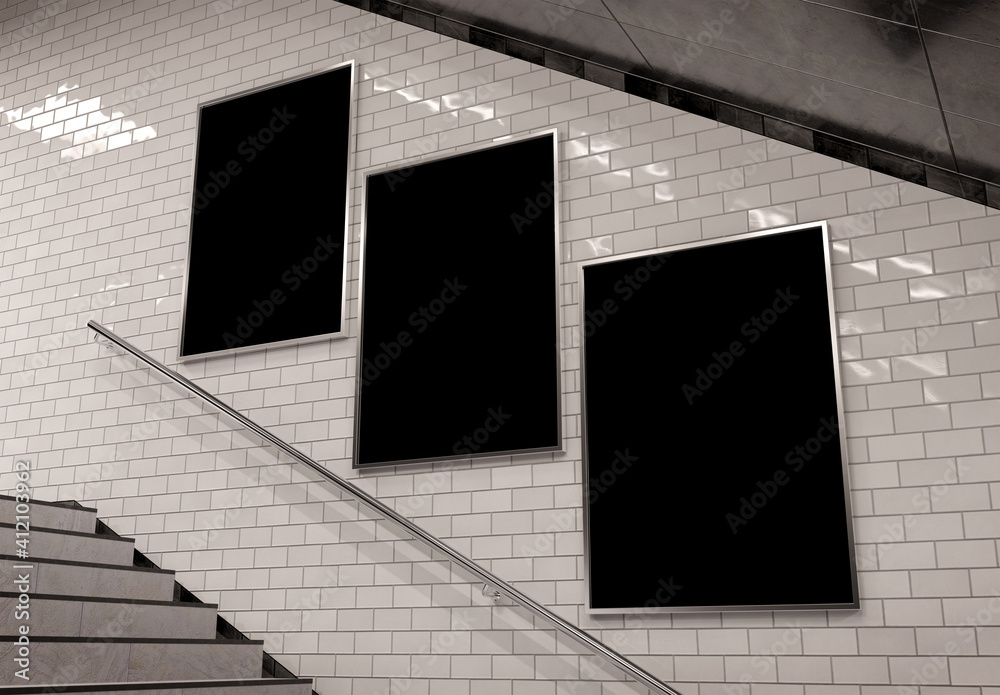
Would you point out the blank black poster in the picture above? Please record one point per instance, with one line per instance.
(714, 471)
(458, 353)
(268, 222)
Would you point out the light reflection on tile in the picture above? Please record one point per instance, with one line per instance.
(840, 250)
(95, 147)
(97, 118)
(411, 94)
(575, 148)
(774, 216)
(866, 372)
(936, 287)
(906, 266)
(479, 113)
(458, 100)
(664, 192)
(71, 153)
(850, 348)
(653, 172)
(920, 366)
(860, 322)
(109, 128)
(387, 83)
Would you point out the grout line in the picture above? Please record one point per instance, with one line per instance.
(629, 37)
(930, 72)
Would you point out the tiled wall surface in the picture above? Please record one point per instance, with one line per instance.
(97, 133)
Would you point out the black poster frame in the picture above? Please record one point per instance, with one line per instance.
(549, 205)
(321, 249)
(593, 488)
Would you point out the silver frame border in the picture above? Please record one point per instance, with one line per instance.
(557, 236)
(351, 151)
(840, 419)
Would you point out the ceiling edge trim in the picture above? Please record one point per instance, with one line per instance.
(905, 168)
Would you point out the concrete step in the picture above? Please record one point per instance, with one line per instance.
(111, 660)
(68, 516)
(80, 616)
(87, 579)
(73, 546)
(258, 686)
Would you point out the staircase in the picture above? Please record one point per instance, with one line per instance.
(99, 615)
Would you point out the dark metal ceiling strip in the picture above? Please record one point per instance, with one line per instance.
(934, 85)
(905, 168)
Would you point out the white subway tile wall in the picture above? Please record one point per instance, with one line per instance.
(98, 105)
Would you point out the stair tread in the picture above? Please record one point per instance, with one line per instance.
(150, 685)
(62, 504)
(53, 561)
(105, 599)
(146, 652)
(136, 640)
(64, 532)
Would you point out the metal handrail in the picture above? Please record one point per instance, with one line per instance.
(501, 587)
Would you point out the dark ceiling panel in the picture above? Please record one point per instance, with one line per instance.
(816, 39)
(567, 7)
(835, 76)
(895, 10)
(967, 74)
(877, 120)
(580, 34)
(978, 20)
(977, 146)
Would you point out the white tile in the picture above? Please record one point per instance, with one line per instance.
(913, 268)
